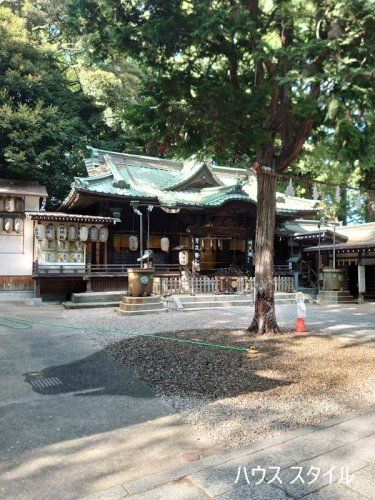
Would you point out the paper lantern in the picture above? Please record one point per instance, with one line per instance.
(49, 245)
(76, 246)
(48, 257)
(50, 232)
(164, 244)
(133, 243)
(40, 232)
(8, 225)
(290, 191)
(62, 257)
(93, 233)
(83, 233)
(10, 204)
(76, 257)
(62, 246)
(20, 205)
(103, 234)
(18, 225)
(183, 257)
(72, 233)
(62, 232)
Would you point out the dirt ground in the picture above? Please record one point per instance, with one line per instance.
(238, 397)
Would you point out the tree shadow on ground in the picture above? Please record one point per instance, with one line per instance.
(176, 368)
(97, 374)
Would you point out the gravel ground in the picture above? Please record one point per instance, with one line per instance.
(237, 397)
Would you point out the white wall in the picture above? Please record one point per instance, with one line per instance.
(16, 251)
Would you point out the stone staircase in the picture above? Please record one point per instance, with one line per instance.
(94, 299)
(335, 297)
(175, 302)
(132, 306)
(197, 302)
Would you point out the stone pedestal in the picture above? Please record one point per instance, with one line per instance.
(131, 306)
(335, 297)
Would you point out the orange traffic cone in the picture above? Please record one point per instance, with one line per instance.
(300, 325)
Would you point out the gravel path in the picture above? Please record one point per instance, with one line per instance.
(238, 397)
(235, 397)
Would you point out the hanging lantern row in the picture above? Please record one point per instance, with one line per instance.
(8, 224)
(12, 204)
(213, 243)
(62, 232)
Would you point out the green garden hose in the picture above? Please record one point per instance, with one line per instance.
(22, 324)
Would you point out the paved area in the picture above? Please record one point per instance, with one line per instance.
(332, 460)
(347, 321)
(97, 428)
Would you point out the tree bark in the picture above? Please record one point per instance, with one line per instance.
(264, 320)
(370, 207)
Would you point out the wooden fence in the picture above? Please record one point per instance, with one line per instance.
(226, 285)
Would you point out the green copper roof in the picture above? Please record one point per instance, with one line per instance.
(172, 183)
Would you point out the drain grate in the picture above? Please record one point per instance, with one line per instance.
(45, 383)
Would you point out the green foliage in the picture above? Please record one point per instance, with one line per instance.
(216, 68)
(53, 102)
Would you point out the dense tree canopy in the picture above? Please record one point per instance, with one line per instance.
(52, 105)
(230, 77)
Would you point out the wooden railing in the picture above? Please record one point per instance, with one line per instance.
(205, 285)
(97, 269)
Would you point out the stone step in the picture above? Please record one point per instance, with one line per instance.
(96, 297)
(139, 307)
(16, 295)
(338, 293)
(140, 312)
(141, 300)
(208, 305)
(88, 305)
(343, 300)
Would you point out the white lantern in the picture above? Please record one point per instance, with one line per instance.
(93, 233)
(20, 205)
(49, 245)
(48, 257)
(183, 257)
(62, 246)
(164, 244)
(133, 243)
(18, 225)
(8, 225)
(62, 257)
(83, 233)
(62, 232)
(40, 232)
(72, 233)
(103, 234)
(9, 204)
(50, 232)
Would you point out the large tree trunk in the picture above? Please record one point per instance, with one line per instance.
(370, 207)
(264, 320)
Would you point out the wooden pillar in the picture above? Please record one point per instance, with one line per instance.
(37, 288)
(361, 279)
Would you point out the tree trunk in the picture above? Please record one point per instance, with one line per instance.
(370, 207)
(264, 320)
